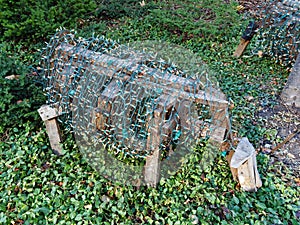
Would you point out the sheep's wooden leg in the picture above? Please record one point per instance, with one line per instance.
(49, 116)
(152, 167)
(53, 132)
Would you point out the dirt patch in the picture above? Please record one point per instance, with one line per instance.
(280, 123)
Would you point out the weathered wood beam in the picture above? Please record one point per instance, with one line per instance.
(49, 115)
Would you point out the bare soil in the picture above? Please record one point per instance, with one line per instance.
(282, 121)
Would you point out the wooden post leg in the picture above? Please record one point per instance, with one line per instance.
(152, 167)
(220, 124)
(241, 48)
(49, 115)
(53, 132)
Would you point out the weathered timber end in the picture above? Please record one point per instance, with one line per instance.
(49, 115)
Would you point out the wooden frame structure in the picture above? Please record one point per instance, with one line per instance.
(177, 92)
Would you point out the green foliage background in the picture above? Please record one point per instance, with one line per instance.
(37, 187)
(30, 20)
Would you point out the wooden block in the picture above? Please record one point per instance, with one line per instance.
(47, 112)
(166, 102)
(241, 47)
(152, 169)
(218, 135)
(246, 175)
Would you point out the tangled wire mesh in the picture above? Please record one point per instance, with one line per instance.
(128, 102)
(279, 32)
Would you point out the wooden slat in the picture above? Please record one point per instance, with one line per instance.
(241, 47)
(105, 101)
(108, 65)
(152, 166)
(49, 115)
(53, 132)
(166, 102)
(113, 64)
(201, 97)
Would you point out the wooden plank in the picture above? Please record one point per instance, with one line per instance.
(54, 135)
(241, 47)
(168, 83)
(201, 97)
(166, 102)
(114, 64)
(167, 132)
(168, 128)
(220, 123)
(152, 166)
(170, 80)
(219, 115)
(105, 101)
(186, 115)
(183, 111)
(49, 115)
(217, 135)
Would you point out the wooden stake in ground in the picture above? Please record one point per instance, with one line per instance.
(49, 115)
(288, 138)
(241, 48)
(246, 37)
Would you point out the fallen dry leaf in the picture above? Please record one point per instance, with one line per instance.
(142, 3)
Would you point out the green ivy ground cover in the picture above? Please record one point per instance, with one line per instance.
(37, 187)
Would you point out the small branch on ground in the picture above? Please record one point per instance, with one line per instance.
(288, 138)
